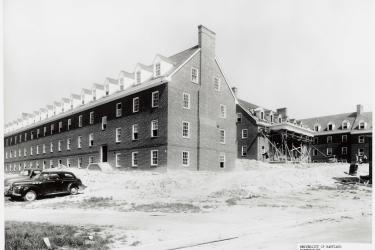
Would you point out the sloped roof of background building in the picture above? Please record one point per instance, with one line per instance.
(338, 119)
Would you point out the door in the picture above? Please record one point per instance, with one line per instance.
(104, 153)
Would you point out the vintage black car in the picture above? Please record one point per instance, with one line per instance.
(46, 183)
(25, 174)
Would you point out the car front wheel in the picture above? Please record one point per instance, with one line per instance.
(29, 196)
(73, 190)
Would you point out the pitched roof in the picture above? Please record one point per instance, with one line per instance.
(111, 80)
(127, 74)
(338, 119)
(98, 86)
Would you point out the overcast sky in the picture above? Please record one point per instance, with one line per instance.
(313, 57)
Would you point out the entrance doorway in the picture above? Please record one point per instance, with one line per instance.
(104, 153)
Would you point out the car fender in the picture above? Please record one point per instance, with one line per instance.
(28, 188)
(72, 184)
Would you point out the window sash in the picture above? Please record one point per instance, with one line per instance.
(92, 117)
(135, 132)
(222, 136)
(80, 121)
(154, 157)
(194, 75)
(135, 104)
(185, 129)
(118, 134)
(186, 100)
(185, 158)
(154, 128)
(134, 159)
(155, 99)
(119, 109)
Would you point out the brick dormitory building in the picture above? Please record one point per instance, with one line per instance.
(178, 112)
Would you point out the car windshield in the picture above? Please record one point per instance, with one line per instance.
(39, 177)
(25, 173)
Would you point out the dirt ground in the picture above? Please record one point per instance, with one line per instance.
(256, 206)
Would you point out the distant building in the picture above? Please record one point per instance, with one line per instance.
(268, 135)
(177, 112)
(341, 136)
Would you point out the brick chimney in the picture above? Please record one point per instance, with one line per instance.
(359, 109)
(206, 40)
(235, 91)
(283, 112)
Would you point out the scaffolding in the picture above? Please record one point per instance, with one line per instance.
(287, 147)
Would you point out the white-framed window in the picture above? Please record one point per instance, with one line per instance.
(19, 152)
(185, 129)
(185, 158)
(20, 138)
(244, 133)
(344, 150)
(6, 155)
(135, 104)
(344, 138)
(217, 84)
(330, 126)
(194, 75)
(51, 147)
(24, 152)
(52, 129)
(79, 142)
(11, 152)
(91, 139)
(316, 140)
(69, 123)
(118, 109)
(118, 134)
(315, 152)
(121, 83)
(80, 121)
(117, 156)
(345, 125)
(244, 150)
(280, 119)
(134, 159)
(44, 165)
(60, 126)
(155, 99)
(223, 111)
(329, 151)
(44, 148)
(154, 157)
(222, 136)
(154, 128)
(362, 125)
(157, 69)
(222, 160)
(329, 139)
(261, 115)
(37, 134)
(37, 149)
(239, 117)
(44, 131)
(104, 122)
(59, 145)
(138, 77)
(361, 151)
(361, 139)
(91, 159)
(92, 117)
(271, 118)
(186, 100)
(51, 163)
(68, 162)
(25, 138)
(79, 162)
(68, 142)
(316, 127)
(135, 132)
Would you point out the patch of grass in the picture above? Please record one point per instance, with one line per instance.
(167, 207)
(29, 235)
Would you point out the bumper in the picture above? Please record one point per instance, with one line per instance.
(7, 191)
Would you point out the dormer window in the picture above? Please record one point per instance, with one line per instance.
(107, 89)
(217, 84)
(121, 83)
(138, 77)
(316, 127)
(271, 118)
(330, 126)
(362, 125)
(262, 115)
(157, 69)
(280, 119)
(345, 125)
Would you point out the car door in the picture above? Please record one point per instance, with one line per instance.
(52, 183)
(67, 179)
